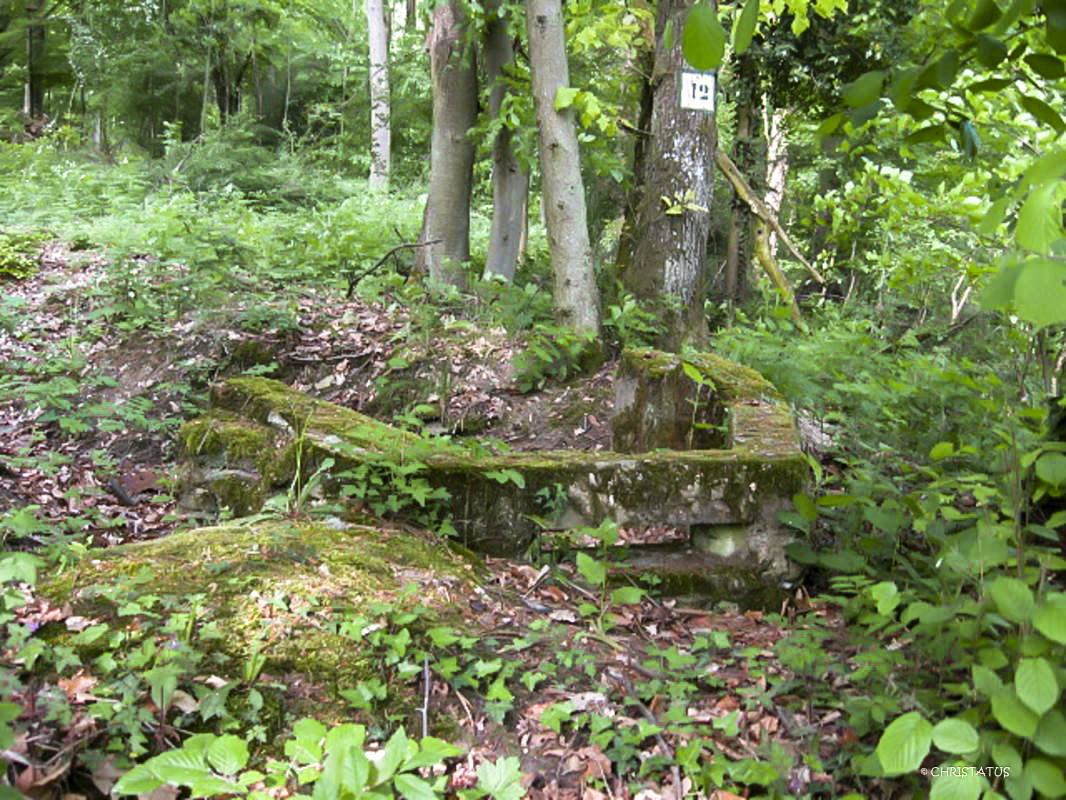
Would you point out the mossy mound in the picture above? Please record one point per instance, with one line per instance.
(278, 587)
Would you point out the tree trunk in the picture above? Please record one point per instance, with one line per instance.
(510, 180)
(410, 15)
(668, 234)
(33, 97)
(776, 164)
(576, 299)
(380, 133)
(749, 156)
(446, 221)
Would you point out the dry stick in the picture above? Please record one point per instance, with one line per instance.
(354, 278)
(762, 239)
(747, 194)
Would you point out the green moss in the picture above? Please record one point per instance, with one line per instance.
(281, 582)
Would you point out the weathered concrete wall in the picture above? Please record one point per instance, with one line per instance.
(258, 431)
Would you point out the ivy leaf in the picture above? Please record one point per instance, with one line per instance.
(1013, 598)
(1035, 683)
(745, 27)
(904, 744)
(703, 37)
(864, 90)
(1013, 714)
(1040, 292)
(955, 736)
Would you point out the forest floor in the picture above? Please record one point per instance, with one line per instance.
(87, 444)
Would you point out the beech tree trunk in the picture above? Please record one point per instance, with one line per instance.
(447, 214)
(380, 117)
(510, 180)
(576, 300)
(776, 164)
(667, 238)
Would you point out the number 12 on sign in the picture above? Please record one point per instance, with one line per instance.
(697, 90)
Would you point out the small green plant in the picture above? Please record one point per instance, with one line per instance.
(19, 253)
(552, 352)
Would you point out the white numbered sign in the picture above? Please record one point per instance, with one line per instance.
(697, 90)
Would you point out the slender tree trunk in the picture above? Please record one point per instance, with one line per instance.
(410, 20)
(510, 180)
(669, 234)
(33, 98)
(380, 116)
(576, 300)
(776, 164)
(748, 154)
(446, 222)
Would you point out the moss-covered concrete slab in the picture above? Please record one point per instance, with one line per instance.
(499, 503)
(277, 587)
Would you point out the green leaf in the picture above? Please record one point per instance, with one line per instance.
(991, 52)
(1046, 66)
(942, 450)
(627, 595)
(1013, 598)
(703, 37)
(886, 595)
(986, 13)
(228, 754)
(414, 788)
(139, 780)
(593, 570)
(985, 680)
(502, 780)
(930, 133)
(1050, 734)
(1040, 292)
(1051, 467)
(565, 96)
(20, 567)
(745, 27)
(1050, 618)
(211, 785)
(1047, 778)
(431, 751)
(864, 89)
(805, 506)
(1035, 683)
(1043, 112)
(955, 736)
(901, 90)
(989, 85)
(829, 125)
(1012, 714)
(904, 744)
(959, 786)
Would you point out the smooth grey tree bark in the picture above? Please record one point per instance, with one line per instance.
(576, 300)
(380, 116)
(446, 222)
(663, 256)
(510, 179)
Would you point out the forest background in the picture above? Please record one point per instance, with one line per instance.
(528, 167)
